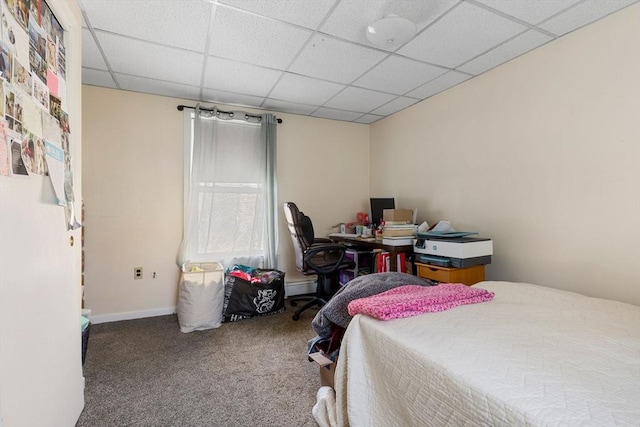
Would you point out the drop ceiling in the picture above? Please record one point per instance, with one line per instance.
(312, 57)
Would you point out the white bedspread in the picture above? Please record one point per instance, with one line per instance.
(533, 356)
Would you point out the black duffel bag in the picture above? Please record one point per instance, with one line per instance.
(244, 299)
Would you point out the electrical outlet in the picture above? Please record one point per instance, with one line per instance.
(137, 273)
(154, 274)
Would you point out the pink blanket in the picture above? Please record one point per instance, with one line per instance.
(411, 300)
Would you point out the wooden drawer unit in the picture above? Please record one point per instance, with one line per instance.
(469, 276)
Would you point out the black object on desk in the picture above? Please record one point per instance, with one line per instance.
(378, 205)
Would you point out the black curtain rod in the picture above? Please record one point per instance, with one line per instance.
(182, 107)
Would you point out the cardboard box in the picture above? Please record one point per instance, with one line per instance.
(327, 368)
(401, 215)
(327, 375)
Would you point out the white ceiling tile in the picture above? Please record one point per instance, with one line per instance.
(394, 106)
(460, 35)
(335, 60)
(304, 90)
(209, 95)
(505, 52)
(356, 99)
(91, 56)
(313, 12)
(399, 75)
(97, 78)
(232, 76)
(329, 113)
(288, 107)
(583, 14)
(350, 19)
(156, 46)
(439, 84)
(174, 23)
(368, 119)
(248, 38)
(157, 87)
(529, 11)
(143, 59)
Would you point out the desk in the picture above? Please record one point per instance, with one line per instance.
(375, 244)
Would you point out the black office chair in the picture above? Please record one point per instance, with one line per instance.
(314, 256)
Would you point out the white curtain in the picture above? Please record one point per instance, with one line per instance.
(230, 189)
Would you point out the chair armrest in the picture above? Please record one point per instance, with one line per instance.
(325, 258)
(321, 240)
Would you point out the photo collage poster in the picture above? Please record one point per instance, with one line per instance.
(34, 124)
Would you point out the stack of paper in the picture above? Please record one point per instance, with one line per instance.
(399, 230)
(397, 241)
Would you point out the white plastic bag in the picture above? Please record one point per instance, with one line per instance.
(200, 296)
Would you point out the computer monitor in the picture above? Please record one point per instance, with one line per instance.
(378, 205)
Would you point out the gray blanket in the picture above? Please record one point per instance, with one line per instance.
(335, 311)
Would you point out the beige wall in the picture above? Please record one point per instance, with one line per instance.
(133, 190)
(41, 382)
(323, 166)
(541, 154)
(133, 201)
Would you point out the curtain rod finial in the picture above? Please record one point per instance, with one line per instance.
(180, 107)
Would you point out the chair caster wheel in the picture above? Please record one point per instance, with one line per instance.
(296, 317)
(293, 303)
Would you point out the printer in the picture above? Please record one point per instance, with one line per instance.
(457, 252)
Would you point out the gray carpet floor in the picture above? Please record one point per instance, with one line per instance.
(253, 372)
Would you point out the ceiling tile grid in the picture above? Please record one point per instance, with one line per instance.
(138, 58)
(399, 75)
(98, 78)
(582, 14)
(253, 39)
(288, 107)
(157, 87)
(313, 57)
(400, 103)
(350, 18)
(510, 49)
(329, 113)
(439, 84)
(91, 55)
(232, 76)
(460, 35)
(210, 95)
(335, 60)
(529, 11)
(358, 99)
(304, 90)
(164, 14)
(314, 11)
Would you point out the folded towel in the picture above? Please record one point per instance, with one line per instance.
(411, 300)
(335, 312)
(324, 411)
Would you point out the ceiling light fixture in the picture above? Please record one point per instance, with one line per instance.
(391, 31)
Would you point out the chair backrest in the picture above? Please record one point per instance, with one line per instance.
(301, 231)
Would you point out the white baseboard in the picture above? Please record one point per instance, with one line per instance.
(299, 288)
(290, 289)
(129, 315)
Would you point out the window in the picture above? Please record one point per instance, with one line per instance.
(228, 190)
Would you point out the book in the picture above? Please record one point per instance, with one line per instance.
(404, 225)
(398, 232)
(396, 223)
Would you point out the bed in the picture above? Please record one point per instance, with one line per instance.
(532, 356)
